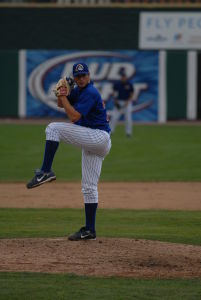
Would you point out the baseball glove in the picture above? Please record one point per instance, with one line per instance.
(63, 87)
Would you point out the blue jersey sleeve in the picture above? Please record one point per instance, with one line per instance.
(86, 102)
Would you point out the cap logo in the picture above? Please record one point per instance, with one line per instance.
(79, 67)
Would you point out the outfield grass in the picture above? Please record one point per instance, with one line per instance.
(154, 153)
(29, 286)
(170, 226)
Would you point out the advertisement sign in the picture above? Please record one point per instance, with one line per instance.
(45, 68)
(172, 30)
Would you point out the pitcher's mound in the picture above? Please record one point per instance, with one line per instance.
(103, 257)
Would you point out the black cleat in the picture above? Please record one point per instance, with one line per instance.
(40, 178)
(82, 234)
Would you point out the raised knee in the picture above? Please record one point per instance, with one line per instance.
(50, 127)
(51, 132)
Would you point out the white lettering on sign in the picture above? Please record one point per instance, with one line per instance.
(102, 72)
(171, 30)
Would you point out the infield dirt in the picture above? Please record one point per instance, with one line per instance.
(130, 195)
(105, 256)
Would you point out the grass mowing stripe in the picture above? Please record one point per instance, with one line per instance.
(154, 153)
(170, 226)
(32, 286)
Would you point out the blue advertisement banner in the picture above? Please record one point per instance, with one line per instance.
(45, 68)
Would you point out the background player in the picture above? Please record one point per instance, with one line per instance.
(89, 131)
(123, 97)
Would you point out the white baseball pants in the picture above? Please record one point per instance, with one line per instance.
(127, 111)
(95, 145)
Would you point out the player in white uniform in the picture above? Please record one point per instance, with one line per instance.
(123, 97)
(89, 131)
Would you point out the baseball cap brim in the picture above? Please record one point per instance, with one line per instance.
(80, 73)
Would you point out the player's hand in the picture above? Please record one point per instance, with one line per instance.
(63, 87)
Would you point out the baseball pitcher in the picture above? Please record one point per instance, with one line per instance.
(89, 130)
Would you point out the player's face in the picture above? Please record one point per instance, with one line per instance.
(82, 80)
(124, 78)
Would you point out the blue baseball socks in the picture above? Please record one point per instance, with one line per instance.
(50, 150)
(90, 216)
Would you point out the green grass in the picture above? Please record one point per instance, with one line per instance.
(30, 286)
(154, 153)
(170, 226)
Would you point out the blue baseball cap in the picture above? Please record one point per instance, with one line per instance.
(80, 69)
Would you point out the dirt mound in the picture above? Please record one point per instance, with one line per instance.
(103, 257)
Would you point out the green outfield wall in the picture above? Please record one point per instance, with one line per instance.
(69, 28)
(9, 83)
(176, 84)
(102, 28)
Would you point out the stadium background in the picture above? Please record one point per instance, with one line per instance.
(116, 29)
(163, 155)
